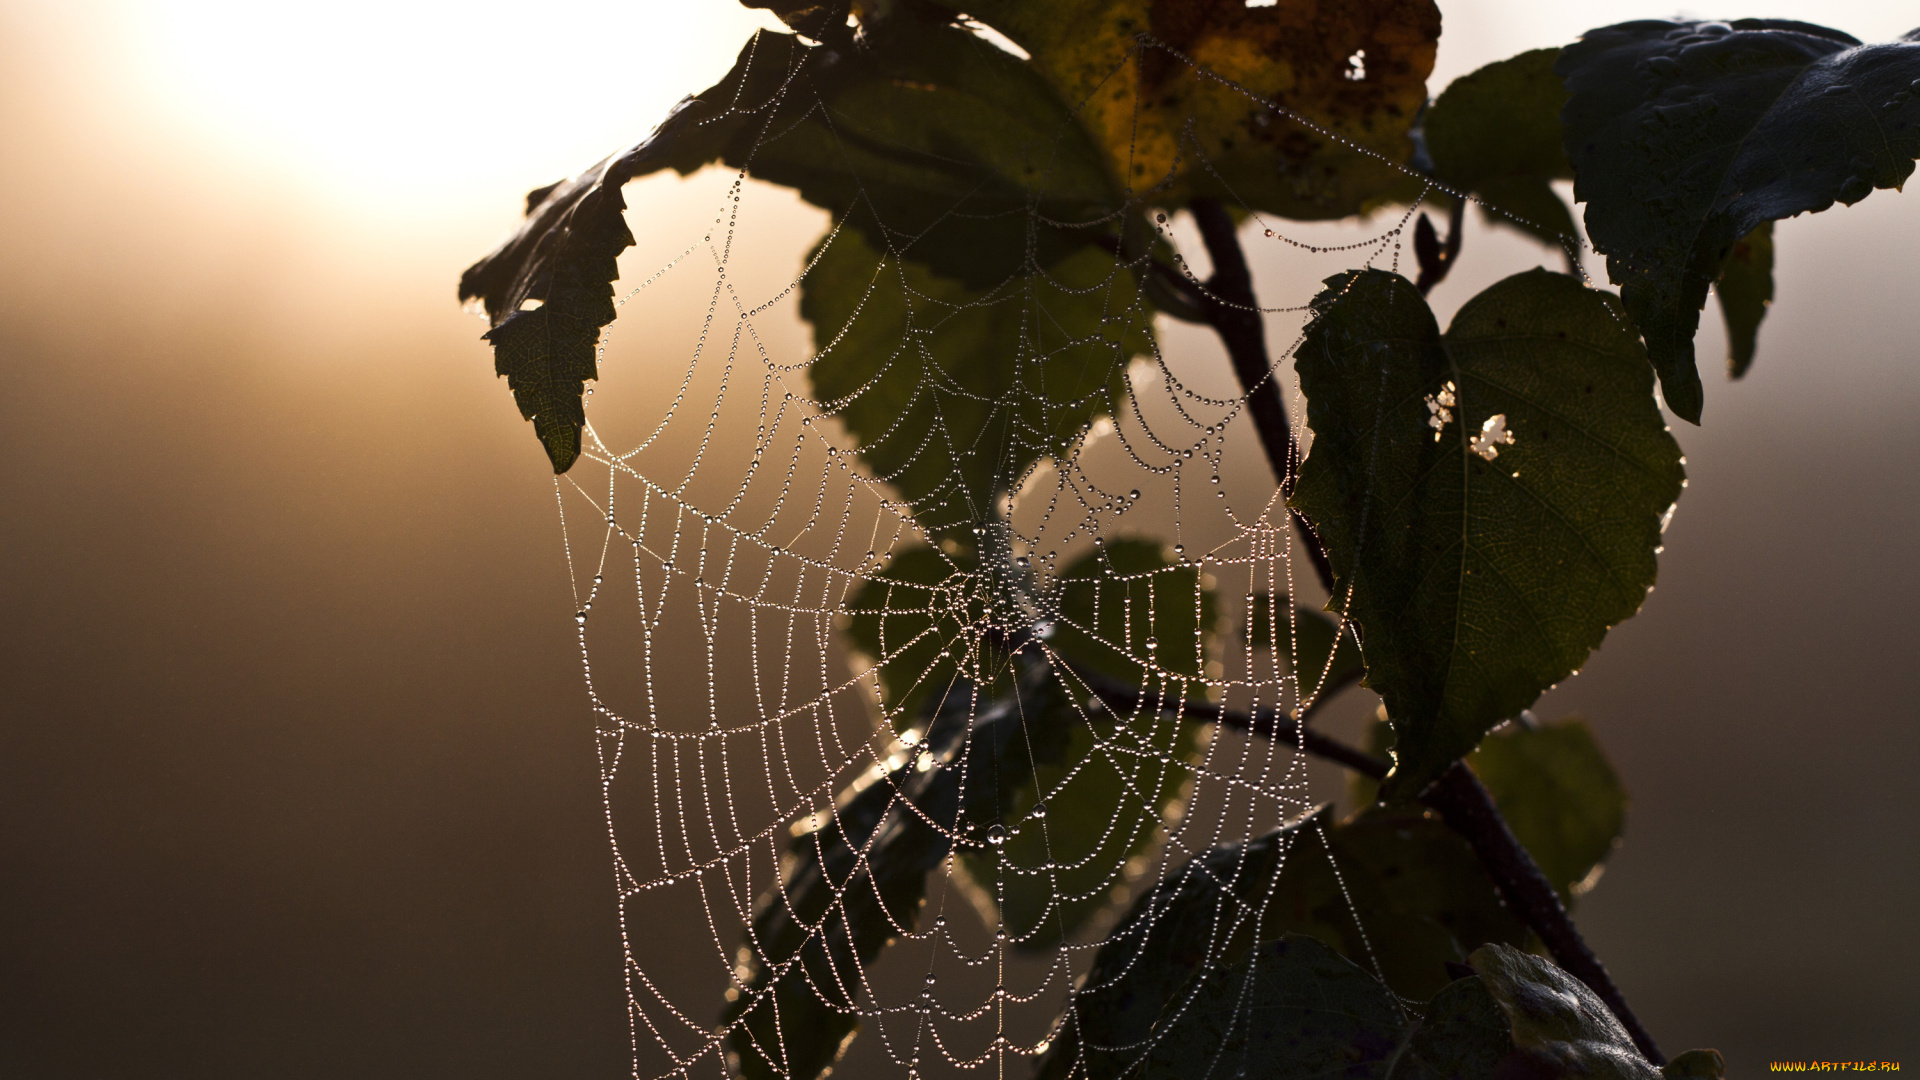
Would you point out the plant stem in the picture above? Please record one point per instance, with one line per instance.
(1468, 808)
(1458, 796)
(1231, 310)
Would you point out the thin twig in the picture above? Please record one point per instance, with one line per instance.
(1232, 312)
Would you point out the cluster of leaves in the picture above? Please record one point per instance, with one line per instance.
(1490, 498)
(1227, 963)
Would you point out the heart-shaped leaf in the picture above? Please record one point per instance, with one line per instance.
(1491, 502)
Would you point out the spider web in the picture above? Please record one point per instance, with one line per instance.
(723, 535)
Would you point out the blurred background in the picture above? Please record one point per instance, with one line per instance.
(296, 767)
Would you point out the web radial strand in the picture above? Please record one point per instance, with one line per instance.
(859, 551)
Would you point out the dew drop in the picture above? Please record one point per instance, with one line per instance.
(580, 617)
(996, 836)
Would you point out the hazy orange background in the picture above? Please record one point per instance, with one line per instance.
(296, 772)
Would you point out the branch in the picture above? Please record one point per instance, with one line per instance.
(1462, 801)
(1232, 312)
(1468, 808)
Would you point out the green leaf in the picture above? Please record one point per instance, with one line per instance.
(1501, 120)
(1291, 1007)
(1559, 794)
(1093, 804)
(1495, 133)
(1129, 611)
(1559, 1027)
(1685, 136)
(1421, 893)
(953, 394)
(858, 883)
(940, 147)
(1745, 290)
(912, 622)
(1207, 914)
(1479, 572)
(1206, 973)
(1463, 1036)
(1316, 649)
(1529, 204)
(1106, 792)
(1179, 132)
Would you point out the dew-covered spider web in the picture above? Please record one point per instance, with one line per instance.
(917, 555)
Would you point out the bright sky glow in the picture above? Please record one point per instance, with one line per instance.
(431, 106)
(406, 101)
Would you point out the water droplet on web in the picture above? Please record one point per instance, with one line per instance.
(996, 836)
(1039, 810)
(580, 617)
(1152, 644)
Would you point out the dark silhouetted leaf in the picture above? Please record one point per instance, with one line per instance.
(548, 290)
(1745, 290)
(1495, 133)
(1462, 1037)
(1696, 1065)
(954, 393)
(1479, 571)
(1357, 70)
(1290, 1007)
(1685, 136)
(1312, 644)
(1559, 1027)
(1205, 915)
(1206, 973)
(1559, 794)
